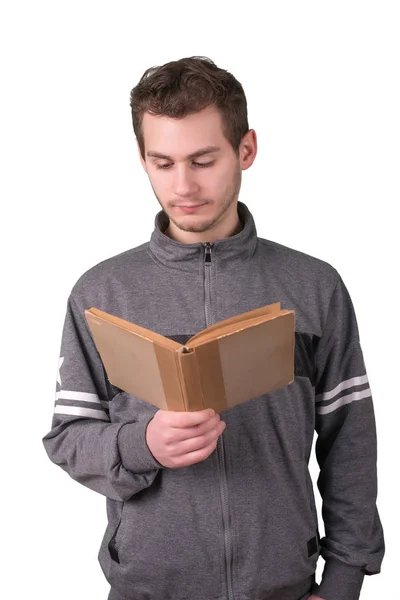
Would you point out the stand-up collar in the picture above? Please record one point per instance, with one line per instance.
(240, 246)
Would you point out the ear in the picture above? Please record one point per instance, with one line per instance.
(141, 157)
(248, 149)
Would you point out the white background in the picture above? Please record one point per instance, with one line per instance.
(322, 84)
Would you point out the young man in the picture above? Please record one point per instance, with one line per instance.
(203, 506)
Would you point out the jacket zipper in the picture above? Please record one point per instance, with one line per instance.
(220, 444)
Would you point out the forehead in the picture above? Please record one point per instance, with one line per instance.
(183, 136)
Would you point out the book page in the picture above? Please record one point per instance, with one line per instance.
(234, 324)
(142, 332)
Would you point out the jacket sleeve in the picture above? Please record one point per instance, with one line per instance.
(346, 451)
(110, 458)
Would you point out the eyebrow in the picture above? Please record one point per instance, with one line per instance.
(196, 154)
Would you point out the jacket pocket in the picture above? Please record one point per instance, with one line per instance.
(113, 544)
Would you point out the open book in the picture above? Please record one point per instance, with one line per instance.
(226, 364)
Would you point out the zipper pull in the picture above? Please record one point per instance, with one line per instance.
(207, 251)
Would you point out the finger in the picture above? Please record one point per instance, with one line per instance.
(188, 419)
(192, 444)
(187, 433)
(194, 457)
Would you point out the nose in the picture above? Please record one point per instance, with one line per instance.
(185, 182)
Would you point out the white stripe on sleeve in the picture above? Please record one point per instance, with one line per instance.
(344, 385)
(323, 410)
(80, 397)
(81, 412)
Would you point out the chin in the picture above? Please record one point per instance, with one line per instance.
(194, 225)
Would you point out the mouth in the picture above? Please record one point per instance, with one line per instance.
(189, 208)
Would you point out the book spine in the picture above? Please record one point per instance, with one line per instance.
(191, 382)
(212, 376)
(171, 378)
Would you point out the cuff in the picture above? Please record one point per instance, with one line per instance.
(339, 581)
(134, 452)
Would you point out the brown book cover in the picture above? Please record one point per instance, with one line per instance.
(226, 364)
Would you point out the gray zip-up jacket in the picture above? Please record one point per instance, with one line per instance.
(242, 524)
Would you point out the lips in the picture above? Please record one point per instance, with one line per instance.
(188, 205)
(189, 208)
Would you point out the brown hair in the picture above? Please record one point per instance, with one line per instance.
(186, 86)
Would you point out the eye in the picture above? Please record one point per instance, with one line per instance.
(203, 165)
(196, 164)
(163, 166)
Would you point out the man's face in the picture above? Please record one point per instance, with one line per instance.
(193, 170)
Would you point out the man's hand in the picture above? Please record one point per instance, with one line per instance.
(180, 439)
(314, 597)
